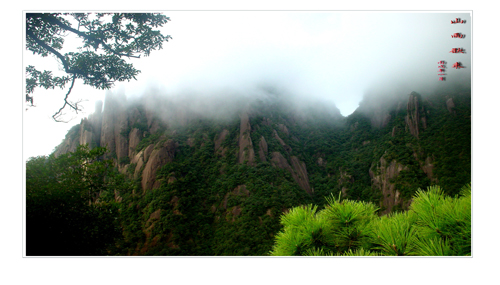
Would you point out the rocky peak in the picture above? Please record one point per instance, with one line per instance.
(114, 120)
(450, 105)
(415, 114)
(246, 152)
(263, 149)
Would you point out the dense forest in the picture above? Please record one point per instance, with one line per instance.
(131, 180)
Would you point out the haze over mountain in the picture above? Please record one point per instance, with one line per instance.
(212, 176)
(335, 57)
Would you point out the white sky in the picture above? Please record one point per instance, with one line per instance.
(334, 55)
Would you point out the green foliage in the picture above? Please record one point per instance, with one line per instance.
(124, 160)
(302, 231)
(445, 222)
(148, 140)
(395, 234)
(107, 38)
(208, 204)
(361, 252)
(68, 207)
(435, 225)
(341, 227)
(448, 139)
(350, 223)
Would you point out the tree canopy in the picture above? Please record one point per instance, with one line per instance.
(70, 204)
(107, 40)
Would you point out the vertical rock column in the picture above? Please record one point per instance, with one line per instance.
(246, 151)
(114, 120)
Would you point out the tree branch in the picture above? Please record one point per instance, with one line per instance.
(88, 37)
(50, 49)
(66, 102)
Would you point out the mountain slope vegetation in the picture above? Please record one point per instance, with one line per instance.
(187, 183)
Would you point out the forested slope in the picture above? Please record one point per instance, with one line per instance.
(191, 184)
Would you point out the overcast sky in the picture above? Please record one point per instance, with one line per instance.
(339, 56)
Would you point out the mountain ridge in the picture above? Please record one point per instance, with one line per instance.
(243, 171)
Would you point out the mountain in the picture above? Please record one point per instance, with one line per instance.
(213, 178)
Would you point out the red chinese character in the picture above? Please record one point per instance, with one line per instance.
(458, 21)
(458, 65)
(442, 66)
(442, 62)
(442, 78)
(457, 50)
(458, 35)
(441, 70)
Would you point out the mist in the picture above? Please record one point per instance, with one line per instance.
(220, 61)
(338, 57)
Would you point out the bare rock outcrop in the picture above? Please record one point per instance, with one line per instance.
(68, 145)
(394, 131)
(107, 131)
(218, 142)
(121, 142)
(95, 121)
(114, 120)
(344, 181)
(380, 118)
(138, 160)
(427, 166)
(162, 154)
(147, 151)
(135, 137)
(246, 152)
(298, 172)
(381, 177)
(415, 118)
(86, 137)
(283, 129)
(282, 143)
(450, 105)
(263, 150)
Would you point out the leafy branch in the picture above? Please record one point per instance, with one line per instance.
(107, 39)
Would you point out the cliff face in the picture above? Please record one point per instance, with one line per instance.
(114, 120)
(311, 150)
(87, 132)
(200, 181)
(246, 152)
(416, 118)
(381, 175)
(161, 154)
(122, 128)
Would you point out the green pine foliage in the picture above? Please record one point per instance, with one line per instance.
(443, 222)
(395, 234)
(349, 223)
(435, 225)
